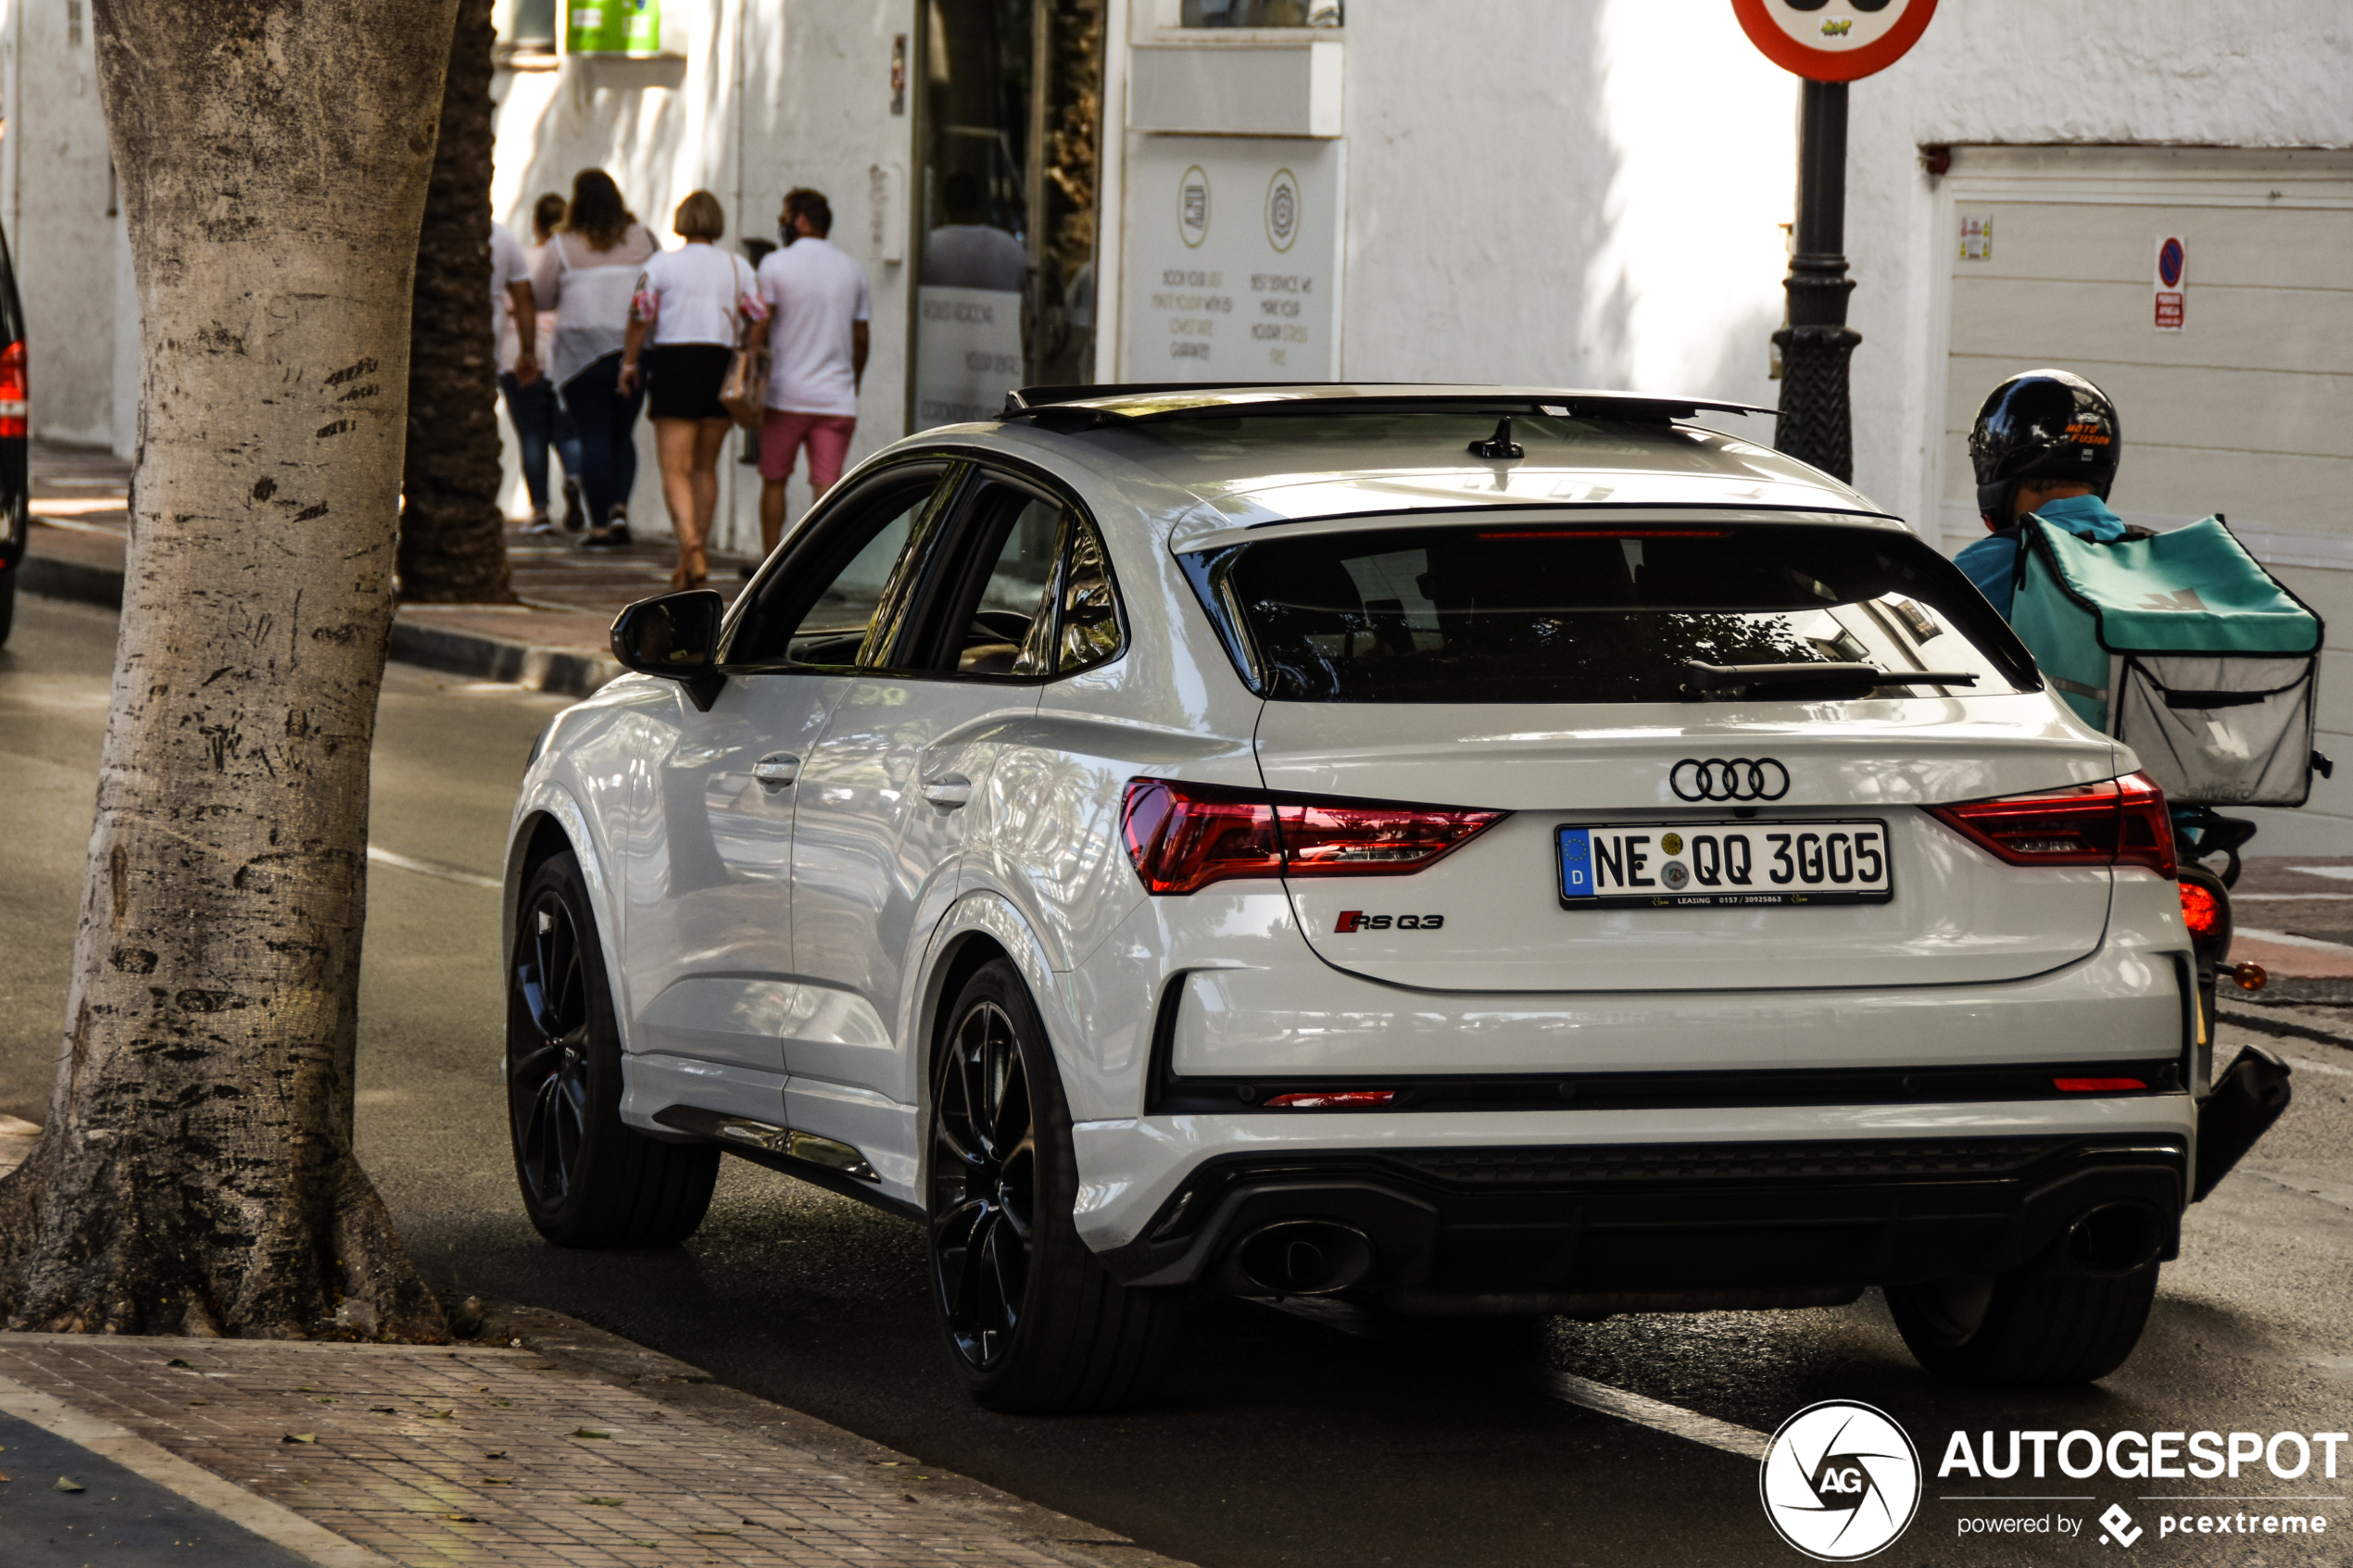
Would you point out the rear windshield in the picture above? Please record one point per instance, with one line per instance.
(1524, 613)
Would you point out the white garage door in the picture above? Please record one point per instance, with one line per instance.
(2246, 410)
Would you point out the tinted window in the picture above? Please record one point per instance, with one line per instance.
(1026, 591)
(1567, 614)
(818, 605)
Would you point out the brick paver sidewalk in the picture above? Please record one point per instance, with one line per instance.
(435, 1456)
(556, 638)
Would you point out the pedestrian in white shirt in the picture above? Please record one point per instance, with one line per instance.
(817, 337)
(692, 303)
(587, 274)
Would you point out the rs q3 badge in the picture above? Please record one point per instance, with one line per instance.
(1357, 920)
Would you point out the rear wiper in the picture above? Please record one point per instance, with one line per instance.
(1702, 679)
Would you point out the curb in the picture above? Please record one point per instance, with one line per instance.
(248, 1511)
(562, 672)
(559, 672)
(72, 580)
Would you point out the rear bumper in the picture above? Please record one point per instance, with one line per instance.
(1528, 1223)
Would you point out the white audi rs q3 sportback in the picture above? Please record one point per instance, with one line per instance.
(1487, 852)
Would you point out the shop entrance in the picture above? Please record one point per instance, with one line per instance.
(1005, 201)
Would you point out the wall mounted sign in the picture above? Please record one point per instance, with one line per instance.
(1833, 40)
(2172, 282)
(1232, 268)
(1977, 236)
(614, 27)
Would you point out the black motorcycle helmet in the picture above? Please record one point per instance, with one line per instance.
(2043, 424)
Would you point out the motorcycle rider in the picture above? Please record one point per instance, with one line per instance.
(2045, 443)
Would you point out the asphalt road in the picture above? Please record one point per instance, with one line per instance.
(1279, 1440)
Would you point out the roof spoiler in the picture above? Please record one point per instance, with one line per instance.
(1081, 408)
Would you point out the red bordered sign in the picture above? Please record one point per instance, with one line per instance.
(1833, 40)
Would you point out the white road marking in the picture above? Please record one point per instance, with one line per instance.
(431, 868)
(2335, 873)
(1673, 1420)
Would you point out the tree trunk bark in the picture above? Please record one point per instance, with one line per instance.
(453, 541)
(197, 1173)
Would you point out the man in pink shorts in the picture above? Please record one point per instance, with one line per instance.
(817, 337)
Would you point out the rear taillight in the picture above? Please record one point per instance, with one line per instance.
(2116, 822)
(2097, 1085)
(2201, 911)
(15, 401)
(1183, 836)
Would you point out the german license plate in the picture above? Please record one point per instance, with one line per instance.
(1660, 865)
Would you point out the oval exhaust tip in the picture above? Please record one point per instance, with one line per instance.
(2115, 1238)
(1305, 1256)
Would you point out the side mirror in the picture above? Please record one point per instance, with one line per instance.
(675, 636)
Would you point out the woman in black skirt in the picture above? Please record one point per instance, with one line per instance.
(689, 304)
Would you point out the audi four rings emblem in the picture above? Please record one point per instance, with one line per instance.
(1739, 778)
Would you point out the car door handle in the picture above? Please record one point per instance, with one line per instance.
(776, 771)
(948, 791)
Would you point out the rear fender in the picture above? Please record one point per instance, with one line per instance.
(991, 916)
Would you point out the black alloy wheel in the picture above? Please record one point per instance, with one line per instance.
(547, 1079)
(1034, 1325)
(984, 1185)
(587, 1178)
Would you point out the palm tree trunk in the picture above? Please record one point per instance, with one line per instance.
(197, 1174)
(453, 543)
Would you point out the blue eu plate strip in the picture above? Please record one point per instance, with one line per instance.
(1577, 863)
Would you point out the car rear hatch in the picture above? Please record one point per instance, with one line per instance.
(1667, 829)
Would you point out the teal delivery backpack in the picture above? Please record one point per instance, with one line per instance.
(2185, 649)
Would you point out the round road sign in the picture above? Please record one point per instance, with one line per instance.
(1833, 40)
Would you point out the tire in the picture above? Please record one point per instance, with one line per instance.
(587, 1179)
(2023, 1330)
(1032, 1322)
(9, 600)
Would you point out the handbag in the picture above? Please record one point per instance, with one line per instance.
(744, 392)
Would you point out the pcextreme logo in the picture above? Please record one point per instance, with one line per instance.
(1841, 1481)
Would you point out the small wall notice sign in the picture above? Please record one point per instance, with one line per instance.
(1977, 236)
(2172, 282)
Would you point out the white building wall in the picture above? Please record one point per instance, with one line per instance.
(1578, 194)
(62, 238)
(2262, 73)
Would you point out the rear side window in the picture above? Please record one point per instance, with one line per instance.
(1526, 613)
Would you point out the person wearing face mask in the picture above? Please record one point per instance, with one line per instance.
(2045, 444)
(816, 332)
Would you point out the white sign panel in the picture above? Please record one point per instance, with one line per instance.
(967, 353)
(1233, 259)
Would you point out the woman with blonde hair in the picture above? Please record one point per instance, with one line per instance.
(586, 275)
(691, 304)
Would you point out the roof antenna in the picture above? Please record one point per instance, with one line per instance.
(1501, 444)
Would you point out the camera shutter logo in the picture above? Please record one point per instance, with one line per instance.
(1192, 207)
(1736, 778)
(1841, 1481)
(1282, 209)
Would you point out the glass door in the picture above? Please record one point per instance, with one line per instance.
(1006, 204)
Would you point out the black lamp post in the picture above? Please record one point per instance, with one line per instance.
(1817, 425)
